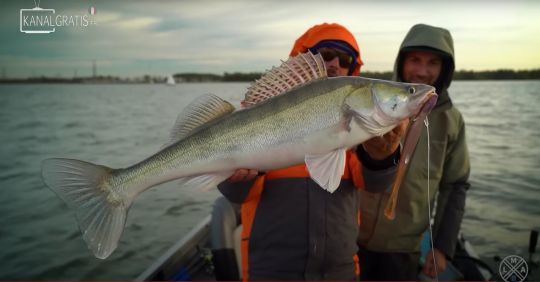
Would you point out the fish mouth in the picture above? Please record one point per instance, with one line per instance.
(427, 104)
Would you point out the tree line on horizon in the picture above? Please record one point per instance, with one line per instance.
(501, 74)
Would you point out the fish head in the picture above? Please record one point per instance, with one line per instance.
(397, 101)
(414, 101)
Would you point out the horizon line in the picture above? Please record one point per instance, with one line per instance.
(6, 77)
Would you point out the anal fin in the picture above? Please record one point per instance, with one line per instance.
(205, 182)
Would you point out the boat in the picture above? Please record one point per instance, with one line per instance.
(188, 259)
(170, 80)
(191, 259)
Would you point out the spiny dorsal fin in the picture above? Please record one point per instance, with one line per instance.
(292, 73)
(202, 110)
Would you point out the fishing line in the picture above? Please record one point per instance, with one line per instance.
(426, 122)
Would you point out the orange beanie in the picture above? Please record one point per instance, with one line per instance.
(327, 31)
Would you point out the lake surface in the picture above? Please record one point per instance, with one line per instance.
(118, 125)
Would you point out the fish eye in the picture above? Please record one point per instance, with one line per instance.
(411, 90)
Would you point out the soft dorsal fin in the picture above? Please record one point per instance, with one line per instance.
(292, 73)
(202, 110)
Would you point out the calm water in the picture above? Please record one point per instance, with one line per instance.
(118, 125)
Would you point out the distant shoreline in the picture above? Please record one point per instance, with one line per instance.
(248, 77)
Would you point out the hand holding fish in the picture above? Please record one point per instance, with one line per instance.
(381, 147)
(243, 174)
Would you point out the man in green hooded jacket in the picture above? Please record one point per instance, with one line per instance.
(390, 249)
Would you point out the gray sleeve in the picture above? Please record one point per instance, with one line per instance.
(235, 192)
(450, 215)
(452, 193)
(378, 181)
(378, 175)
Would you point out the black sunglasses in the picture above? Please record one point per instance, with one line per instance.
(328, 54)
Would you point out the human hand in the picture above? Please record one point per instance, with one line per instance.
(429, 266)
(381, 147)
(243, 174)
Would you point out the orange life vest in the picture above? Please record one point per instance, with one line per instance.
(353, 170)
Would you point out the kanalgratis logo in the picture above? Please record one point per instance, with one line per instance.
(39, 20)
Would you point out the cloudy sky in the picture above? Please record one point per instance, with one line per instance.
(132, 38)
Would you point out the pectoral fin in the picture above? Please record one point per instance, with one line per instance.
(371, 123)
(327, 169)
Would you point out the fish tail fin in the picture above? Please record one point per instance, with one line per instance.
(86, 188)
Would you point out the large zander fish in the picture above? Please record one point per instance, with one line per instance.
(294, 114)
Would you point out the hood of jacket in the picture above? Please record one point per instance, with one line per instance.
(326, 31)
(422, 37)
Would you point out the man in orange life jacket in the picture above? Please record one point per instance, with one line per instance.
(292, 228)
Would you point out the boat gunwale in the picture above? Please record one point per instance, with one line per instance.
(200, 233)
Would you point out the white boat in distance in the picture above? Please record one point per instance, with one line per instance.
(170, 80)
